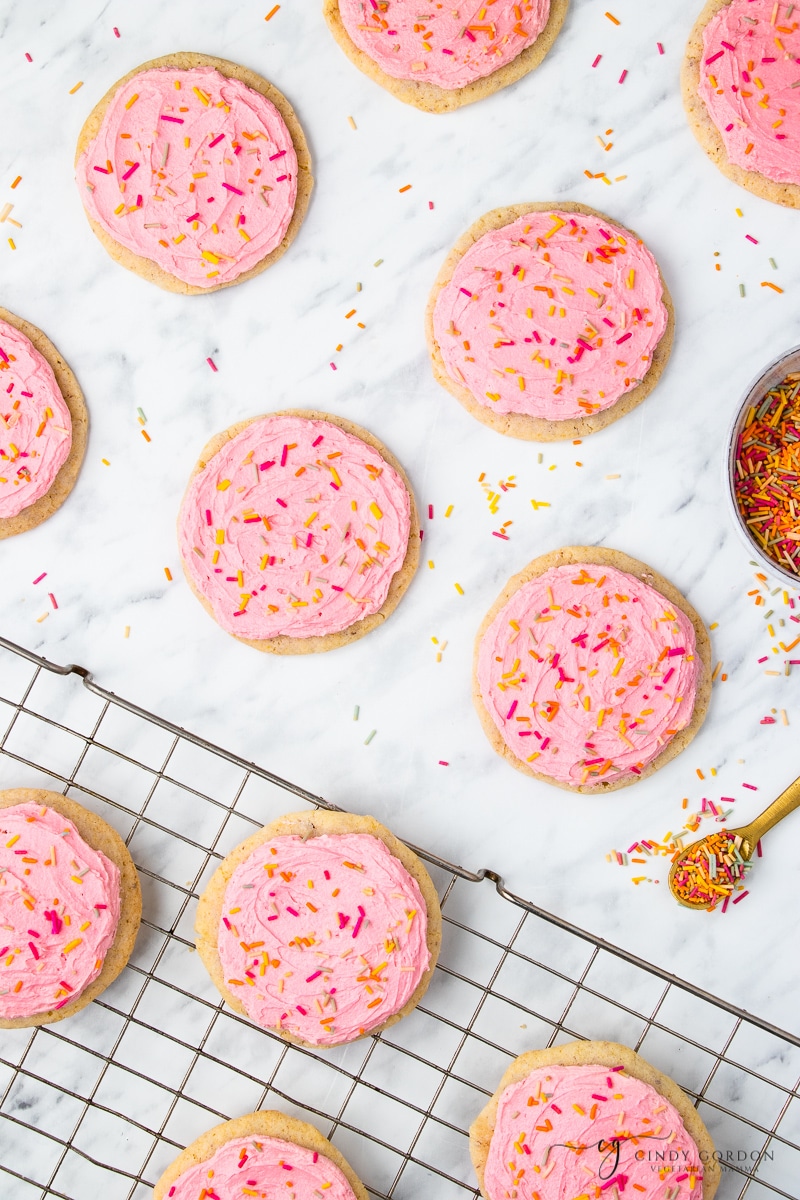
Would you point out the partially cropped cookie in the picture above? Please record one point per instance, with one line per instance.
(194, 172)
(450, 55)
(590, 1119)
(549, 321)
(740, 90)
(298, 532)
(591, 670)
(43, 426)
(263, 1154)
(322, 926)
(70, 905)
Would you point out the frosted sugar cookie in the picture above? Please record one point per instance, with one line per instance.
(450, 55)
(261, 1154)
(70, 905)
(194, 172)
(549, 321)
(298, 532)
(321, 926)
(740, 90)
(591, 670)
(43, 426)
(590, 1118)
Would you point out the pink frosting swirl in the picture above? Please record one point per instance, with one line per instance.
(59, 909)
(36, 429)
(555, 315)
(260, 1167)
(450, 45)
(192, 170)
(749, 82)
(294, 527)
(588, 673)
(580, 1131)
(324, 938)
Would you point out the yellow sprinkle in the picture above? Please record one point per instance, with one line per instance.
(459, 588)
(223, 485)
(352, 123)
(78, 85)
(376, 512)
(132, 100)
(12, 244)
(71, 945)
(430, 563)
(448, 510)
(201, 96)
(105, 462)
(220, 537)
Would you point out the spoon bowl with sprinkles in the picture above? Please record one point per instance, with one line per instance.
(707, 873)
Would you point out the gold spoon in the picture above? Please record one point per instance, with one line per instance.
(750, 836)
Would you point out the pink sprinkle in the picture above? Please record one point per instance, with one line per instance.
(607, 237)
(660, 48)
(430, 204)
(751, 786)
(466, 293)
(764, 659)
(430, 512)
(556, 1109)
(33, 950)
(116, 34)
(511, 710)
(208, 516)
(311, 978)
(624, 338)
(357, 926)
(767, 721)
(284, 453)
(676, 650)
(741, 896)
(175, 120)
(622, 77)
(52, 599)
(280, 154)
(471, 36)
(447, 51)
(293, 911)
(193, 217)
(217, 139)
(751, 239)
(333, 366)
(597, 60)
(343, 920)
(230, 188)
(279, 179)
(130, 171)
(714, 57)
(303, 1012)
(317, 441)
(504, 536)
(442, 763)
(226, 922)
(282, 503)
(39, 578)
(727, 45)
(28, 57)
(211, 363)
(596, 1097)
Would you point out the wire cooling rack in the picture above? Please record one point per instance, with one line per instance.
(101, 1103)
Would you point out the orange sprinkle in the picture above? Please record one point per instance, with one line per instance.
(16, 181)
(271, 13)
(168, 574)
(78, 85)
(407, 188)
(774, 286)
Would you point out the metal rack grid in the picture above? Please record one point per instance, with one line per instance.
(104, 1101)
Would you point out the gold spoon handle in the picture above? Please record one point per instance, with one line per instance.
(787, 802)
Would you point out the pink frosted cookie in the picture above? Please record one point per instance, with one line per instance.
(298, 532)
(450, 55)
(588, 1119)
(322, 926)
(591, 671)
(43, 424)
(740, 84)
(69, 906)
(194, 172)
(264, 1154)
(549, 322)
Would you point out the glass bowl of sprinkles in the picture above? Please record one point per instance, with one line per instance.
(763, 467)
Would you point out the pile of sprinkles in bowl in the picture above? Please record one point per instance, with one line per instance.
(767, 473)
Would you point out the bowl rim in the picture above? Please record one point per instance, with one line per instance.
(775, 367)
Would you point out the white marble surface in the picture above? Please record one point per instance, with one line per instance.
(273, 339)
